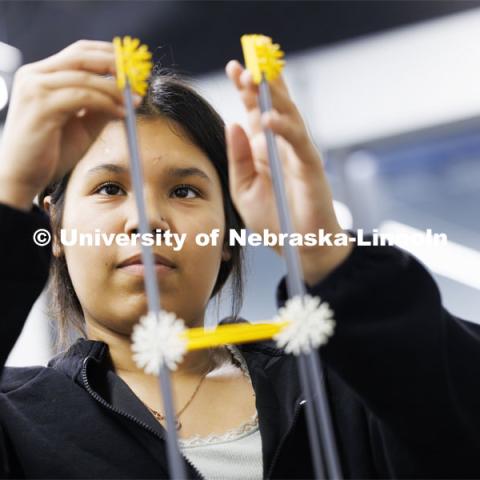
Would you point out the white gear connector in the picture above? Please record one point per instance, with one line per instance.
(311, 324)
(157, 341)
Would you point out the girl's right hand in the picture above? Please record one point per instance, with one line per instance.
(58, 107)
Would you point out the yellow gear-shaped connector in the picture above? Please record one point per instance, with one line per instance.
(133, 62)
(262, 57)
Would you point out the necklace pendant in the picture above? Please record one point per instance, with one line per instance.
(178, 424)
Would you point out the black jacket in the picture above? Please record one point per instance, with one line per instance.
(402, 377)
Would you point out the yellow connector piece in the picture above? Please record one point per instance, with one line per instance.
(262, 57)
(199, 338)
(133, 62)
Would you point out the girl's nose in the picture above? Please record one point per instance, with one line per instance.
(155, 219)
(157, 225)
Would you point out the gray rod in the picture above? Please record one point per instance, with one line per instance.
(296, 286)
(175, 462)
(312, 425)
(325, 417)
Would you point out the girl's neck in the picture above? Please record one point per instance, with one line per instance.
(195, 363)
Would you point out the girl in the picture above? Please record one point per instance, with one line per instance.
(401, 395)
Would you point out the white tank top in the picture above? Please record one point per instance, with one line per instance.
(235, 454)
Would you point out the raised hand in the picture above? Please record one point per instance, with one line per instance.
(59, 105)
(307, 188)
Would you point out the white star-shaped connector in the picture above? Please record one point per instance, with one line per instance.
(311, 324)
(157, 341)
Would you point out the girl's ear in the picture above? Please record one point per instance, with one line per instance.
(226, 253)
(47, 206)
(47, 203)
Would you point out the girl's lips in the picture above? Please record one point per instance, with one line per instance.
(138, 259)
(138, 269)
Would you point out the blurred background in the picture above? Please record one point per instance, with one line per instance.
(390, 91)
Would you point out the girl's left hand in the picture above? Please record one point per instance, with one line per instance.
(307, 189)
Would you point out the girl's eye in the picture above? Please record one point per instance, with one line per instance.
(110, 189)
(182, 191)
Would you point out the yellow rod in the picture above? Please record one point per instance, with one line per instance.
(198, 338)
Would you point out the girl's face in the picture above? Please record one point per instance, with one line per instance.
(182, 194)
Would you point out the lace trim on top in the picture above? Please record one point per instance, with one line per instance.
(233, 434)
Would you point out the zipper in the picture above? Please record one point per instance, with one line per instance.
(282, 441)
(105, 404)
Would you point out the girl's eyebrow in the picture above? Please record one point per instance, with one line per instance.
(173, 172)
(178, 172)
(109, 167)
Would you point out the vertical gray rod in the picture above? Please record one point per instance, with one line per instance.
(175, 462)
(295, 286)
(312, 425)
(325, 417)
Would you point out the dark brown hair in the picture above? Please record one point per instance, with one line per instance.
(170, 97)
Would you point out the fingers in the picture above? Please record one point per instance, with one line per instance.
(295, 133)
(281, 101)
(68, 101)
(93, 44)
(284, 119)
(80, 69)
(93, 56)
(73, 78)
(240, 159)
(244, 83)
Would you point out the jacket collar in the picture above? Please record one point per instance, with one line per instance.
(258, 355)
(70, 362)
(87, 362)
